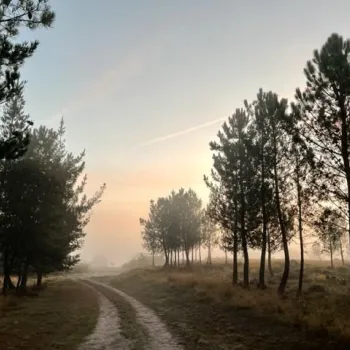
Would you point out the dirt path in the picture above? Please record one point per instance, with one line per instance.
(157, 337)
(106, 335)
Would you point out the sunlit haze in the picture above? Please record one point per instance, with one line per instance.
(143, 86)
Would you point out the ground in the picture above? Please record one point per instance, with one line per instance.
(59, 317)
(203, 309)
(177, 308)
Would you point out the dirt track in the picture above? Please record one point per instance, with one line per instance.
(126, 324)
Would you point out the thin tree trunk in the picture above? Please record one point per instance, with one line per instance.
(209, 254)
(235, 242)
(39, 279)
(226, 262)
(331, 253)
(200, 253)
(187, 253)
(341, 252)
(7, 282)
(264, 217)
(300, 226)
(153, 259)
(242, 227)
(285, 275)
(345, 150)
(269, 255)
(24, 277)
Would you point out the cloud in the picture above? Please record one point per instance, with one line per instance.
(182, 132)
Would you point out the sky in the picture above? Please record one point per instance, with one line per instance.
(144, 86)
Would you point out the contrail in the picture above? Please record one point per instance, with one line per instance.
(182, 132)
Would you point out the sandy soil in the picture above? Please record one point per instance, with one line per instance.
(107, 335)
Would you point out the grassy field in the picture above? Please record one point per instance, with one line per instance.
(206, 312)
(59, 317)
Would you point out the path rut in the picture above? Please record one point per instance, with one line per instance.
(159, 336)
(106, 335)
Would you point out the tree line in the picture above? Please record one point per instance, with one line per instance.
(281, 171)
(43, 207)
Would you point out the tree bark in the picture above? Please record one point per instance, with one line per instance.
(269, 255)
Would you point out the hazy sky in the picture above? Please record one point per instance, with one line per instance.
(127, 74)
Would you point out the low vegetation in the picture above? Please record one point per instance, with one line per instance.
(209, 302)
(59, 318)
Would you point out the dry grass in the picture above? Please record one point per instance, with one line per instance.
(58, 318)
(323, 307)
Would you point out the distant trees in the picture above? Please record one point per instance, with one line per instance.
(210, 237)
(173, 226)
(330, 231)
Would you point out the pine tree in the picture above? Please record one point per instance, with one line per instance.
(14, 15)
(324, 110)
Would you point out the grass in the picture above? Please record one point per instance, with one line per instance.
(203, 308)
(58, 318)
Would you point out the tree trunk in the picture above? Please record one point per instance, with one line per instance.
(166, 258)
(331, 253)
(24, 277)
(39, 279)
(264, 217)
(235, 244)
(341, 252)
(209, 254)
(345, 149)
(200, 253)
(285, 275)
(243, 232)
(153, 259)
(7, 282)
(192, 254)
(269, 255)
(226, 262)
(300, 227)
(188, 263)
